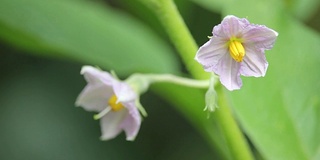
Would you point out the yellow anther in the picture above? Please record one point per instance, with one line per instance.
(237, 51)
(113, 103)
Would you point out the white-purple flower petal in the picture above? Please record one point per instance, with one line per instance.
(230, 26)
(111, 124)
(228, 69)
(93, 97)
(94, 75)
(254, 64)
(211, 52)
(236, 48)
(114, 99)
(124, 92)
(131, 123)
(259, 37)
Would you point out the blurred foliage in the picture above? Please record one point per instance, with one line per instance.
(39, 120)
(107, 38)
(279, 113)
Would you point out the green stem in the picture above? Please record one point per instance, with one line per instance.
(168, 78)
(141, 82)
(238, 146)
(180, 36)
(178, 33)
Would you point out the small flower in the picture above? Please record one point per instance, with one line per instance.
(236, 48)
(114, 100)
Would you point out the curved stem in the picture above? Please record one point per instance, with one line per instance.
(168, 78)
(141, 82)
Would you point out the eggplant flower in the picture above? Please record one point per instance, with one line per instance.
(114, 100)
(236, 48)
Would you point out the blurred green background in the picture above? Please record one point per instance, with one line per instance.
(39, 119)
(44, 44)
(37, 114)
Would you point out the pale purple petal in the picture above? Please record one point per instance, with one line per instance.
(131, 123)
(259, 37)
(210, 53)
(94, 75)
(254, 63)
(94, 97)
(111, 124)
(230, 26)
(124, 92)
(228, 70)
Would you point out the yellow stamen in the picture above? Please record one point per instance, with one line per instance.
(113, 103)
(237, 51)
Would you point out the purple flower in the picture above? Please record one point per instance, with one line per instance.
(236, 48)
(114, 100)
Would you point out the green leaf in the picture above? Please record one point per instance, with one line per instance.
(280, 112)
(85, 32)
(213, 5)
(301, 9)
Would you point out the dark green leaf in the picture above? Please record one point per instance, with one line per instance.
(213, 5)
(85, 32)
(302, 9)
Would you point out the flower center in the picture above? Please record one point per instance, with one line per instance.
(237, 51)
(113, 103)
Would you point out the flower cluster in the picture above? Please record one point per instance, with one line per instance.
(236, 48)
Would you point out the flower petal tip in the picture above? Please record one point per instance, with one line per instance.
(131, 138)
(102, 138)
(232, 88)
(86, 68)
